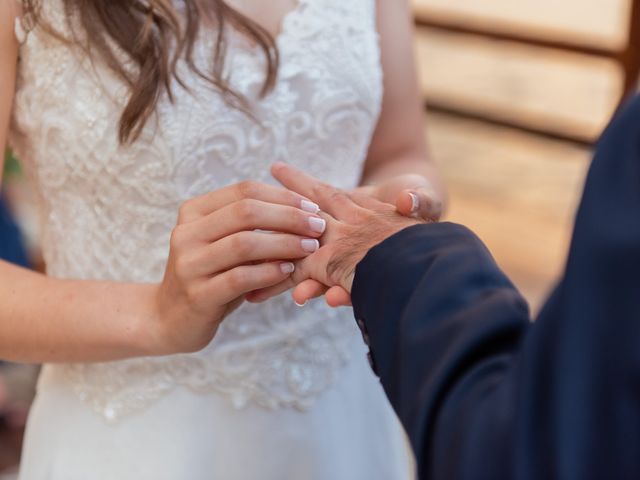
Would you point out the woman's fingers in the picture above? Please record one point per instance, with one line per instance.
(245, 247)
(203, 205)
(264, 294)
(253, 214)
(311, 273)
(419, 203)
(239, 281)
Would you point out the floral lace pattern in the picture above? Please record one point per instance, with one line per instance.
(108, 210)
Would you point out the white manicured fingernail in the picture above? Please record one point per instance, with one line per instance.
(287, 268)
(317, 224)
(310, 207)
(309, 245)
(300, 304)
(415, 202)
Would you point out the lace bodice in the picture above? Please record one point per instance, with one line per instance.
(107, 210)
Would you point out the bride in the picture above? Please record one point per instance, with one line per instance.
(148, 128)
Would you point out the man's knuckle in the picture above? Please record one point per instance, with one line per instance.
(363, 216)
(321, 190)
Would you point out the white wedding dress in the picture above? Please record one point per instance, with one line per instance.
(282, 393)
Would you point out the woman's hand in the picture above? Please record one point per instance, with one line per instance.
(413, 196)
(217, 257)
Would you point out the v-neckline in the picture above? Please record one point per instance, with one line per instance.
(282, 24)
(285, 20)
(284, 31)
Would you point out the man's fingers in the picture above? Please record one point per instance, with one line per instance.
(311, 273)
(419, 203)
(314, 266)
(296, 180)
(303, 293)
(338, 297)
(368, 198)
(308, 290)
(332, 200)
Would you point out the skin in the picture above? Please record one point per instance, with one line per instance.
(398, 159)
(398, 169)
(88, 321)
(215, 258)
(356, 223)
(398, 162)
(8, 62)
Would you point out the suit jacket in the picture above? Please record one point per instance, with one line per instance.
(11, 246)
(484, 393)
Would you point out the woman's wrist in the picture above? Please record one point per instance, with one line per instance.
(147, 336)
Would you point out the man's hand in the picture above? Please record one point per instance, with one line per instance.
(413, 195)
(356, 223)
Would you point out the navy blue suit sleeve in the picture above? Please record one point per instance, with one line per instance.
(482, 392)
(443, 323)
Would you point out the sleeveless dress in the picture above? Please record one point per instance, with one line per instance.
(282, 392)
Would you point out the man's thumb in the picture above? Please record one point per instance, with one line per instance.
(419, 203)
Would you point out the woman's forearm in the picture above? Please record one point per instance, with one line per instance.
(53, 320)
(44, 319)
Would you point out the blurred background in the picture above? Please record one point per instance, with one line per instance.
(518, 91)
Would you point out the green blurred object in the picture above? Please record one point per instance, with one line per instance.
(11, 165)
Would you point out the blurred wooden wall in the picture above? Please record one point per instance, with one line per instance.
(519, 90)
(557, 67)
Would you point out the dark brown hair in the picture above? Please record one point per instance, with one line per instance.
(155, 36)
